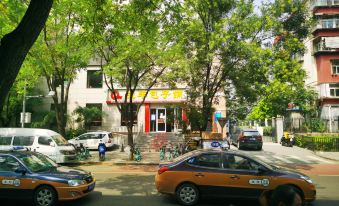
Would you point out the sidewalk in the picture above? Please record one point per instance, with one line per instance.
(328, 155)
(122, 158)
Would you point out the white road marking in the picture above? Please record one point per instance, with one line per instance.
(283, 159)
(319, 159)
(299, 159)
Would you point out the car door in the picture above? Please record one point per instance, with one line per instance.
(46, 146)
(207, 173)
(82, 139)
(245, 180)
(14, 184)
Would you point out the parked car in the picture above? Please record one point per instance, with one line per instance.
(43, 141)
(33, 176)
(91, 140)
(226, 174)
(249, 138)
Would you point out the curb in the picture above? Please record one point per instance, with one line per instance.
(325, 157)
(110, 163)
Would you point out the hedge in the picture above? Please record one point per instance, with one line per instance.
(318, 142)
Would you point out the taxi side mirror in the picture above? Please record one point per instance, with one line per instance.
(21, 170)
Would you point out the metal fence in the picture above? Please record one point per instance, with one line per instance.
(318, 143)
(311, 125)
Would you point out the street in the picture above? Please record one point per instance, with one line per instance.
(131, 185)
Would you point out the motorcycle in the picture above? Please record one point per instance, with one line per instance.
(102, 151)
(287, 140)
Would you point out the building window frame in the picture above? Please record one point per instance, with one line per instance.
(335, 66)
(334, 90)
(94, 79)
(124, 114)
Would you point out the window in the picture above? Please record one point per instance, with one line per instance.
(8, 164)
(335, 66)
(334, 90)
(5, 140)
(125, 114)
(239, 163)
(94, 79)
(44, 140)
(251, 133)
(95, 136)
(206, 160)
(23, 140)
(98, 121)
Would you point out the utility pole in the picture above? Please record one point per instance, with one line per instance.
(23, 116)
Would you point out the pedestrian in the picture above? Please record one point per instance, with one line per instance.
(228, 139)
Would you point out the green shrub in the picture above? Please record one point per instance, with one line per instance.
(318, 143)
(314, 125)
(71, 133)
(268, 131)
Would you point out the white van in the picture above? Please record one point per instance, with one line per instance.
(44, 141)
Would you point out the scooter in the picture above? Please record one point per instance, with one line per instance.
(287, 141)
(102, 151)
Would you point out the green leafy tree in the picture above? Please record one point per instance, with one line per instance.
(18, 36)
(137, 45)
(87, 115)
(60, 52)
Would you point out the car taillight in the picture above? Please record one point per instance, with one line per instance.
(259, 138)
(241, 138)
(109, 140)
(162, 170)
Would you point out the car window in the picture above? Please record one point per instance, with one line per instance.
(83, 137)
(231, 161)
(44, 140)
(23, 140)
(8, 164)
(206, 160)
(251, 133)
(5, 140)
(110, 135)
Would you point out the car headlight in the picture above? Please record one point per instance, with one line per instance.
(75, 183)
(307, 179)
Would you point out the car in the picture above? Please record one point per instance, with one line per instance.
(249, 138)
(31, 175)
(230, 174)
(43, 141)
(91, 140)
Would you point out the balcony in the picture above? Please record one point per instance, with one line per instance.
(324, 3)
(328, 24)
(326, 44)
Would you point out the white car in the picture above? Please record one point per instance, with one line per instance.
(91, 140)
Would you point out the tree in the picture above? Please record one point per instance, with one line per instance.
(289, 23)
(223, 46)
(87, 115)
(15, 45)
(137, 46)
(60, 52)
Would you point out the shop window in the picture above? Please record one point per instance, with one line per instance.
(125, 114)
(335, 66)
(94, 79)
(334, 90)
(96, 122)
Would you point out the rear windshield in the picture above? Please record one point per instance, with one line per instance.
(23, 140)
(5, 140)
(251, 133)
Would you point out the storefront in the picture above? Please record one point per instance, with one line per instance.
(163, 109)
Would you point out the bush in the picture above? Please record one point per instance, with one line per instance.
(318, 143)
(314, 125)
(71, 133)
(268, 131)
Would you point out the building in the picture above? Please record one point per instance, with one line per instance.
(162, 110)
(321, 60)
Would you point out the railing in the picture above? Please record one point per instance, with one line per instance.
(318, 143)
(316, 3)
(328, 24)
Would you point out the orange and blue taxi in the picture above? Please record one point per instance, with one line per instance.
(31, 175)
(227, 174)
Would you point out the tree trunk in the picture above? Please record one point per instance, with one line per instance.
(14, 46)
(130, 140)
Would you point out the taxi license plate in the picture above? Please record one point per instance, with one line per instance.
(91, 187)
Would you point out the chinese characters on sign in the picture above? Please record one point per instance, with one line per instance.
(152, 96)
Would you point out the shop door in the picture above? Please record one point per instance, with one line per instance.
(161, 120)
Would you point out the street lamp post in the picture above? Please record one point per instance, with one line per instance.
(23, 116)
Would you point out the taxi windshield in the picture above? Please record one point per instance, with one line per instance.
(38, 162)
(184, 156)
(60, 140)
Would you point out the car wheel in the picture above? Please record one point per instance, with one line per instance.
(45, 196)
(187, 194)
(259, 148)
(239, 147)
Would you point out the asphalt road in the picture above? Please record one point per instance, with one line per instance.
(134, 185)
